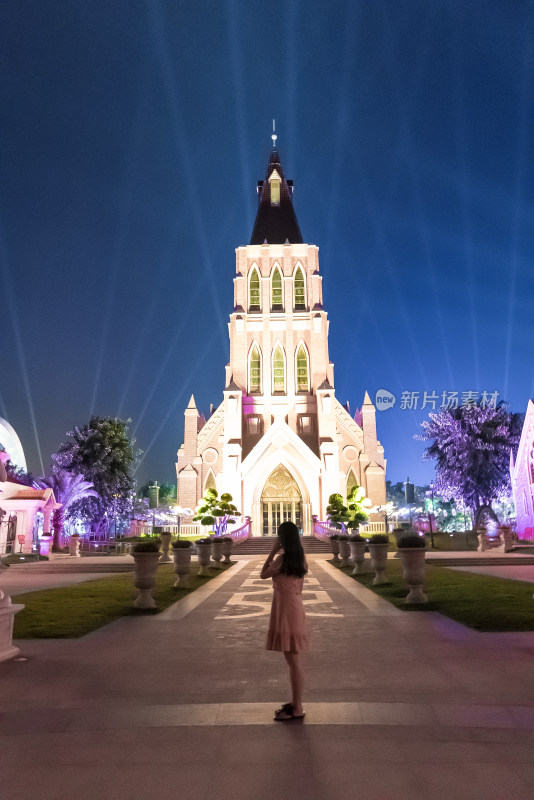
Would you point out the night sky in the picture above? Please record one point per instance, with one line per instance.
(132, 138)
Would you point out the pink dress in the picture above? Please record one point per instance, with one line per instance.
(287, 625)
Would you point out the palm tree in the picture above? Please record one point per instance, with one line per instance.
(68, 488)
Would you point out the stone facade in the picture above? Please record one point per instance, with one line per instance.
(280, 442)
(522, 477)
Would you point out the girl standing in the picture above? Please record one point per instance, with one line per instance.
(287, 626)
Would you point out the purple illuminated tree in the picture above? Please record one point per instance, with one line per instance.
(471, 446)
(69, 488)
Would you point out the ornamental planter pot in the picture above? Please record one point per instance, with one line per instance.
(74, 547)
(146, 565)
(413, 563)
(204, 556)
(45, 544)
(357, 554)
(507, 538)
(165, 537)
(344, 552)
(217, 551)
(182, 564)
(379, 561)
(334, 548)
(7, 617)
(227, 549)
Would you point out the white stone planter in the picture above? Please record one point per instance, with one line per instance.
(413, 564)
(334, 548)
(45, 544)
(165, 544)
(357, 554)
(227, 550)
(344, 552)
(204, 556)
(146, 565)
(74, 547)
(379, 561)
(182, 564)
(7, 617)
(217, 551)
(507, 538)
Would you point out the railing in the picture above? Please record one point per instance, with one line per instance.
(323, 530)
(242, 533)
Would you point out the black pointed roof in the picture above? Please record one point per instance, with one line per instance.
(275, 224)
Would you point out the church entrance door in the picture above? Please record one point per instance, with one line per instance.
(281, 500)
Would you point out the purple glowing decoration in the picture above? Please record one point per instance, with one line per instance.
(471, 446)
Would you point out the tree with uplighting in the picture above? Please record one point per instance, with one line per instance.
(219, 512)
(104, 453)
(471, 446)
(357, 505)
(69, 488)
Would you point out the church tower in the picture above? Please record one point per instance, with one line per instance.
(280, 442)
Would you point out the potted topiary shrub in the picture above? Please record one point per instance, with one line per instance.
(181, 550)
(228, 543)
(412, 552)
(334, 546)
(344, 549)
(357, 545)
(217, 549)
(204, 554)
(378, 550)
(146, 555)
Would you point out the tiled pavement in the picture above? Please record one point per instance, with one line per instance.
(180, 704)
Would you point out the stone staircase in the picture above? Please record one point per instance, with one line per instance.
(261, 545)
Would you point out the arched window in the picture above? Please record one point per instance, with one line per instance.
(210, 482)
(351, 481)
(274, 182)
(276, 290)
(254, 370)
(299, 290)
(254, 290)
(303, 381)
(279, 370)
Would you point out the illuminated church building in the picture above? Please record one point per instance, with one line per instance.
(280, 442)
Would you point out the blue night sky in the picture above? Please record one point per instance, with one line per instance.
(133, 137)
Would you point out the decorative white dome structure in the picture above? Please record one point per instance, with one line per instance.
(11, 444)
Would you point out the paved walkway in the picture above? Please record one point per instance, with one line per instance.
(399, 705)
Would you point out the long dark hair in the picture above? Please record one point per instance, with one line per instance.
(293, 559)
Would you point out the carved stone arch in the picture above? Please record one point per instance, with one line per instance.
(278, 380)
(302, 381)
(281, 500)
(300, 293)
(255, 380)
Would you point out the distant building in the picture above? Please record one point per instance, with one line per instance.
(10, 443)
(522, 477)
(280, 442)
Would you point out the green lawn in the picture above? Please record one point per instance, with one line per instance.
(478, 601)
(72, 611)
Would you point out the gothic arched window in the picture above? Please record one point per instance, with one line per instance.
(276, 290)
(254, 370)
(254, 290)
(351, 481)
(279, 370)
(299, 290)
(303, 372)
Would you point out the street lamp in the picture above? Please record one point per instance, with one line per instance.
(431, 515)
(182, 512)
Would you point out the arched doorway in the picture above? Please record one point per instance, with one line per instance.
(280, 500)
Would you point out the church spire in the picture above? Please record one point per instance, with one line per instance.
(276, 221)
